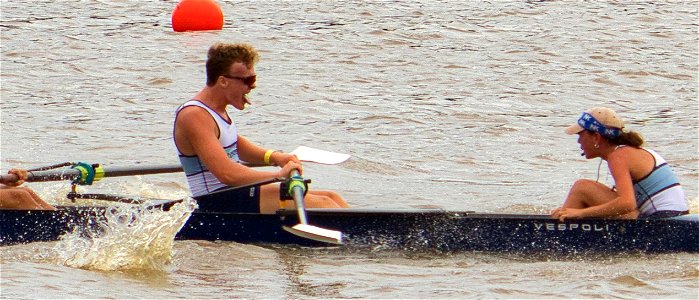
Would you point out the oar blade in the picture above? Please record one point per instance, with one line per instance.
(319, 156)
(316, 233)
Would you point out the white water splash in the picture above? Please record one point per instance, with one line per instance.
(131, 238)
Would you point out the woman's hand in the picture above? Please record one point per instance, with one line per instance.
(562, 213)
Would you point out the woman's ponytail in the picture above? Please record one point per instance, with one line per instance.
(630, 138)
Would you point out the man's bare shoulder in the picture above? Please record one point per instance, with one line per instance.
(192, 113)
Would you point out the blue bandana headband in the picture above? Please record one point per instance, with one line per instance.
(589, 122)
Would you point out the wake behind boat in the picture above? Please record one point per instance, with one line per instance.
(395, 229)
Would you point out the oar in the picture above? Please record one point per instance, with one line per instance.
(72, 174)
(303, 229)
(306, 154)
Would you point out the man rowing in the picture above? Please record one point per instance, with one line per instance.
(211, 149)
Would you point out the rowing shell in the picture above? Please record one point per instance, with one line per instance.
(399, 229)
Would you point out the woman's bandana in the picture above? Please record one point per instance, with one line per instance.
(589, 122)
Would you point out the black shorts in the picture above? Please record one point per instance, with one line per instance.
(245, 199)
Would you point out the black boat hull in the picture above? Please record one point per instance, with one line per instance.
(412, 230)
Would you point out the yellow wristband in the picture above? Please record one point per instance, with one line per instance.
(268, 155)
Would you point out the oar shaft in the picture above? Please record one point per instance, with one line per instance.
(130, 171)
(70, 174)
(303, 229)
(298, 200)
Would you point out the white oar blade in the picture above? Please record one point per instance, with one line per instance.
(319, 156)
(316, 233)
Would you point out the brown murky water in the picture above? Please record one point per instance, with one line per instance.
(456, 104)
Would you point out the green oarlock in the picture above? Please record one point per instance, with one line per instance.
(88, 173)
(99, 172)
(297, 181)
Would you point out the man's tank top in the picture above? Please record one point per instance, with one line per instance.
(201, 181)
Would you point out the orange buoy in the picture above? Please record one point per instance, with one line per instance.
(195, 15)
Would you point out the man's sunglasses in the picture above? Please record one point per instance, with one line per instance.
(249, 81)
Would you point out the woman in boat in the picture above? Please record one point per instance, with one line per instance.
(12, 196)
(645, 185)
(211, 149)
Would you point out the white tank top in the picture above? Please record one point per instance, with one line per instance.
(660, 190)
(201, 181)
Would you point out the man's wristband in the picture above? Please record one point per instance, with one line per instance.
(268, 155)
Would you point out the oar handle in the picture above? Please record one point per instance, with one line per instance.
(8, 178)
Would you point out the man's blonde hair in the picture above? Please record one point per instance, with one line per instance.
(221, 56)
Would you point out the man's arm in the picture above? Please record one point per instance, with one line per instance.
(198, 130)
(249, 151)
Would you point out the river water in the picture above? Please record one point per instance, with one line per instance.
(452, 104)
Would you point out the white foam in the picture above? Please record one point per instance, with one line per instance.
(131, 237)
